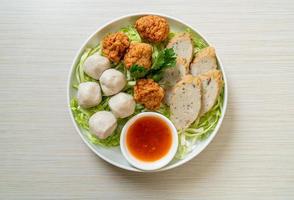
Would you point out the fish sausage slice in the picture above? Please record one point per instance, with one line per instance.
(204, 61)
(185, 102)
(212, 83)
(183, 47)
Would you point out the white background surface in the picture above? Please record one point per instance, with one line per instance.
(41, 155)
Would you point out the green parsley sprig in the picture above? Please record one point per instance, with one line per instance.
(164, 59)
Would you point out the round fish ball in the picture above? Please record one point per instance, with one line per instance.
(102, 124)
(112, 81)
(89, 94)
(122, 105)
(95, 65)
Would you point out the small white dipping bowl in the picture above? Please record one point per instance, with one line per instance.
(153, 165)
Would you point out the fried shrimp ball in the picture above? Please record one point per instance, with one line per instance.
(148, 93)
(115, 45)
(152, 28)
(140, 54)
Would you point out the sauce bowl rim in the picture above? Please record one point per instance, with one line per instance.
(152, 165)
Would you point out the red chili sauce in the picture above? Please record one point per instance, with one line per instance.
(149, 138)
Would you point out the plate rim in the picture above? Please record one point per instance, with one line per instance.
(191, 155)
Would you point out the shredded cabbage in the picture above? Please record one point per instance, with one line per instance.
(171, 35)
(200, 129)
(79, 72)
(164, 110)
(198, 42)
(82, 117)
(204, 125)
(132, 33)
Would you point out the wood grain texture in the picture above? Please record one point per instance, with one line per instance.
(42, 156)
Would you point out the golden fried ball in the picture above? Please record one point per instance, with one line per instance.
(115, 45)
(148, 93)
(152, 28)
(140, 54)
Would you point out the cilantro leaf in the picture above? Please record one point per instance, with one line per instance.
(138, 71)
(157, 76)
(164, 59)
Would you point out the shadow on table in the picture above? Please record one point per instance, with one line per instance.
(197, 170)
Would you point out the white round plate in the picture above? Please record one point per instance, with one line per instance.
(114, 155)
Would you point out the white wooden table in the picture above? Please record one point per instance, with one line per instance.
(42, 156)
